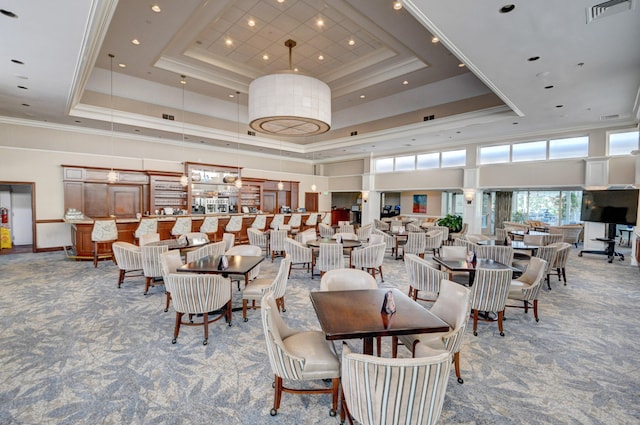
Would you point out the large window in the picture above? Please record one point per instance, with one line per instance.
(384, 165)
(623, 143)
(553, 207)
(529, 151)
(405, 163)
(494, 154)
(428, 160)
(454, 158)
(573, 147)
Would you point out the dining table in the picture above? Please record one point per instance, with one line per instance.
(463, 265)
(183, 244)
(358, 314)
(521, 245)
(346, 244)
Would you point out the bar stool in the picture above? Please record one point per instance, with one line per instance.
(103, 232)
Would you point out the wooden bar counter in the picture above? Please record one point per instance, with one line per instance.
(81, 229)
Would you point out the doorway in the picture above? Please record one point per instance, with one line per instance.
(19, 201)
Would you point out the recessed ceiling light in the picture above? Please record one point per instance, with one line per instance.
(251, 23)
(122, 65)
(280, 1)
(135, 41)
(507, 8)
(320, 58)
(362, 96)
(533, 58)
(156, 8)
(405, 82)
(295, 69)
(232, 95)
(228, 42)
(435, 39)
(17, 61)
(351, 42)
(265, 57)
(397, 5)
(320, 22)
(461, 65)
(8, 13)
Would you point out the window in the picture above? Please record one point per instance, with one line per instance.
(494, 154)
(454, 158)
(623, 143)
(384, 165)
(428, 160)
(574, 147)
(405, 163)
(549, 206)
(530, 151)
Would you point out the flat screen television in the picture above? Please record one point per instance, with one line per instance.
(619, 206)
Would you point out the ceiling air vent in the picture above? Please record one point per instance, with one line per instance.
(608, 8)
(609, 117)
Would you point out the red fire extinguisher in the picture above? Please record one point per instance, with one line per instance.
(4, 212)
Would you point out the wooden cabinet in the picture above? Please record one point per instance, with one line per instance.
(213, 188)
(250, 197)
(165, 191)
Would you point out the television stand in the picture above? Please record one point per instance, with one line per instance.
(610, 251)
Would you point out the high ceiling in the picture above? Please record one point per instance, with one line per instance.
(542, 67)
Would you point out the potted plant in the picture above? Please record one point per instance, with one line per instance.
(452, 221)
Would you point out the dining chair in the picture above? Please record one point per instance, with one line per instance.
(277, 221)
(104, 232)
(145, 227)
(475, 237)
(423, 278)
(256, 289)
(369, 258)
(559, 262)
(489, 294)
(234, 226)
(151, 265)
(380, 225)
(325, 230)
(386, 391)
(454, 251)
(196, 237)
(499, 253)
(128, 258)
(527, 287)
(246, 250)
(553, 238)
(170, 261)
(502, 234)
(300, 254)
(364, 232)
(276, 242)
(347, 228)
(376, 238)
(416, 244)
(312, 221)
(199, 294)
(389, 240)
(181, 226)
(210, 227)
(229, 240)
(306, 236)
(295, 221)
(148, 238)
(453, 306)
(444, 230)
(433, 241)
(260, 222)
(347, 280)
(214, 249)
(298, 355)
(414, 227)
(330, 257)
(258, 238)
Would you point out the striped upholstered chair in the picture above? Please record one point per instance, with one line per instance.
(210, 227)
(211, 249)
(258, 238)
(423, 277)
(260, 222)
(369, 258)
(452, 306)
(199, 294)
(104, 232)
(128, 258)
(256, 289)
(300, 254)
(181, 227)
(416, 244)
(151, 264)
(379, 390)
(298, 356)
(330, 257)
(145, 227)
(489, 294)
(525, 289)
(276, 243)
(170, 261)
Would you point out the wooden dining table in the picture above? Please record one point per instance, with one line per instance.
(358, 315)
(462, 265)
(238, 265)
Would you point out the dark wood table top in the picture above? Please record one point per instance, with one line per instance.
(462, 265)
(179, 243)
(345, 243)
(357, 314)
(514, 244)
(238, 264)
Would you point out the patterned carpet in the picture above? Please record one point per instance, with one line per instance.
(74, 349)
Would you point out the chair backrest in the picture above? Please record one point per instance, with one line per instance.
(330, 257)
(209, 225)
(389, 240)
(260, 222)
(346, 280)
(295, 221)
(146, 226)
(257, 237)
(501, 254)
(380, 225)
(276, 240)
(553, 238)
(170, 261)
(364, 232)
(148, 238)
(277, 221)
(368, 257)
(128, 255)
(416, 243)
(345, 236)
(181, 226)
(279, 285)
(414, 227)
(151, 265)
(453, 251)
(453, 306)
(548, 254)
(326, 218)
(534, 274)
(343, 223)
(376, 239)
(196, 237)
(198, 293)
(234, 224)
(380, 390)
(229, 240)
(490, 289)
(312, 220)
(298, 252)
(443, 229)
(325, 230)
(475, 237)
(283, 364)
(104, 231)
(562, 254)
(347, 228)
(502, 234)
(537, 240)
(422, 275)
(306, 236)
(433, 240)
(212, 249)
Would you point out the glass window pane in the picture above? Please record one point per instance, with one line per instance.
(454, 158)
(571, 202)
(623, 143)
(384, 165)
(494, 154)
(544, 206)
(404, 163)
(573, 147)
(530, 151)
(428, 160)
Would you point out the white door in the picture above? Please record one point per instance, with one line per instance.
(21, 215)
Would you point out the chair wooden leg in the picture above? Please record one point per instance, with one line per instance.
(500, 317)
(381, 276)
(564, 276)
(205, 322)
(535, 310)
(456, 364)
(379, 345)
(394, 346)
(244, 310)
(526, 307)
(147, 283)
(277, 395)
(95, 254)
(166, 308)
(176, 330)
(475, 322)
(121, 278)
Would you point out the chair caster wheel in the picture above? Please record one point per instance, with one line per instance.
(284, 309)
(273, 412)
(273, 385)
(166, 309)
(205, 342)
(174, 340)
(460, 381)
(246, 319)
(229, 324)
(475, 333)
(537, 320)
(332, 412)
(501, 333)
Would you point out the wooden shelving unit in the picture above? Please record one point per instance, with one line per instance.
(167, 192)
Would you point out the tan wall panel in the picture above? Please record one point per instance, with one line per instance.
(561, 173)
(348, 183)
(622, 170)
(443, 178)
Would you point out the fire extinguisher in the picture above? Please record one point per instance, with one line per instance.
(4, 212)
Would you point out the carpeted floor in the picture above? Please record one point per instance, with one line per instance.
(74, 349)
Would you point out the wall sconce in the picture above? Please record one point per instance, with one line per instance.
(468, 196)
(365, 196)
